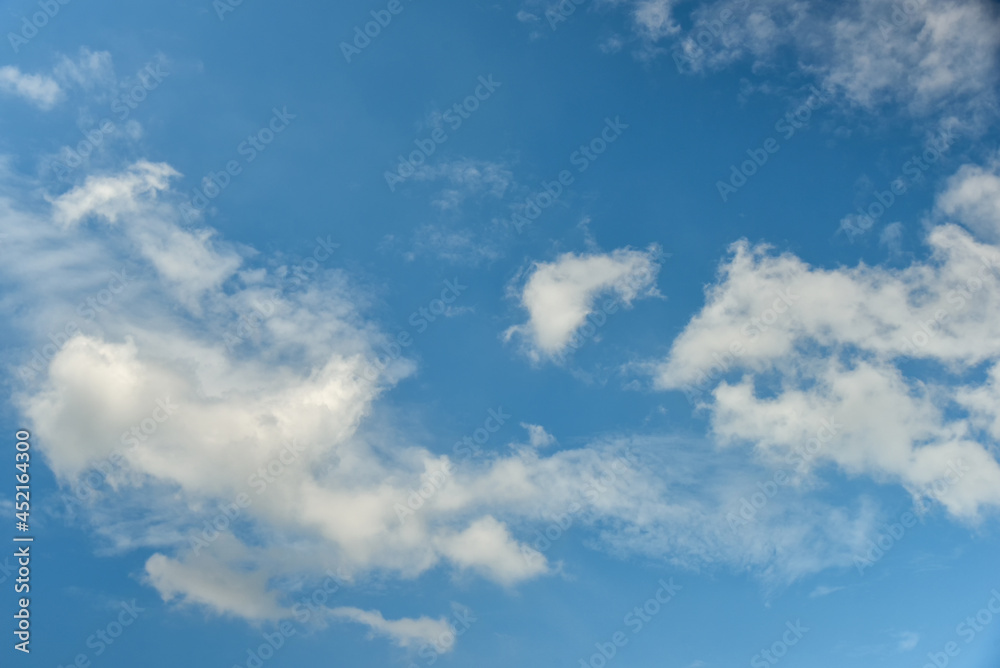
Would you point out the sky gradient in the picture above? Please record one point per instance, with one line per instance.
(635, 333)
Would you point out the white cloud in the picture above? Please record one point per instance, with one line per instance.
(294, 399)
(935, 57)
(823, 590)
(90, 70)
(537, 436)
(181, 422)
(403, 632)
(38, 89)
(941, 51)
(973, 197)
(487, 546)
(214, 585)
(559, 295)
(781, 349)
(654, 18)
(186, 259)
(112, 197)
(466, 177)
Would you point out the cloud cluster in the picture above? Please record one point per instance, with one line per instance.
(906, 360)
(930, 57)
(248, 472)
(265, 473)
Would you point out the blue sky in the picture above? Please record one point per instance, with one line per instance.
(613, 333)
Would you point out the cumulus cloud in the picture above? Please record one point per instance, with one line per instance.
(38, 89)
(560, 295)
(537, 436)
(972, 196)
(782, 349)
(214, 585)
(217, 411)
(202, 374)
(214, 411)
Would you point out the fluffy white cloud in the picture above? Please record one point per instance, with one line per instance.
(559, 295)
(973, 197)
(782, 350)
(537, 436)
(38, 89)
(212, 584)
(210, 378)
(239, 398)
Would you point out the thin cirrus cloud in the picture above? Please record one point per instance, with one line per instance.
(936, 58)
(560, 295)
(89, 70)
